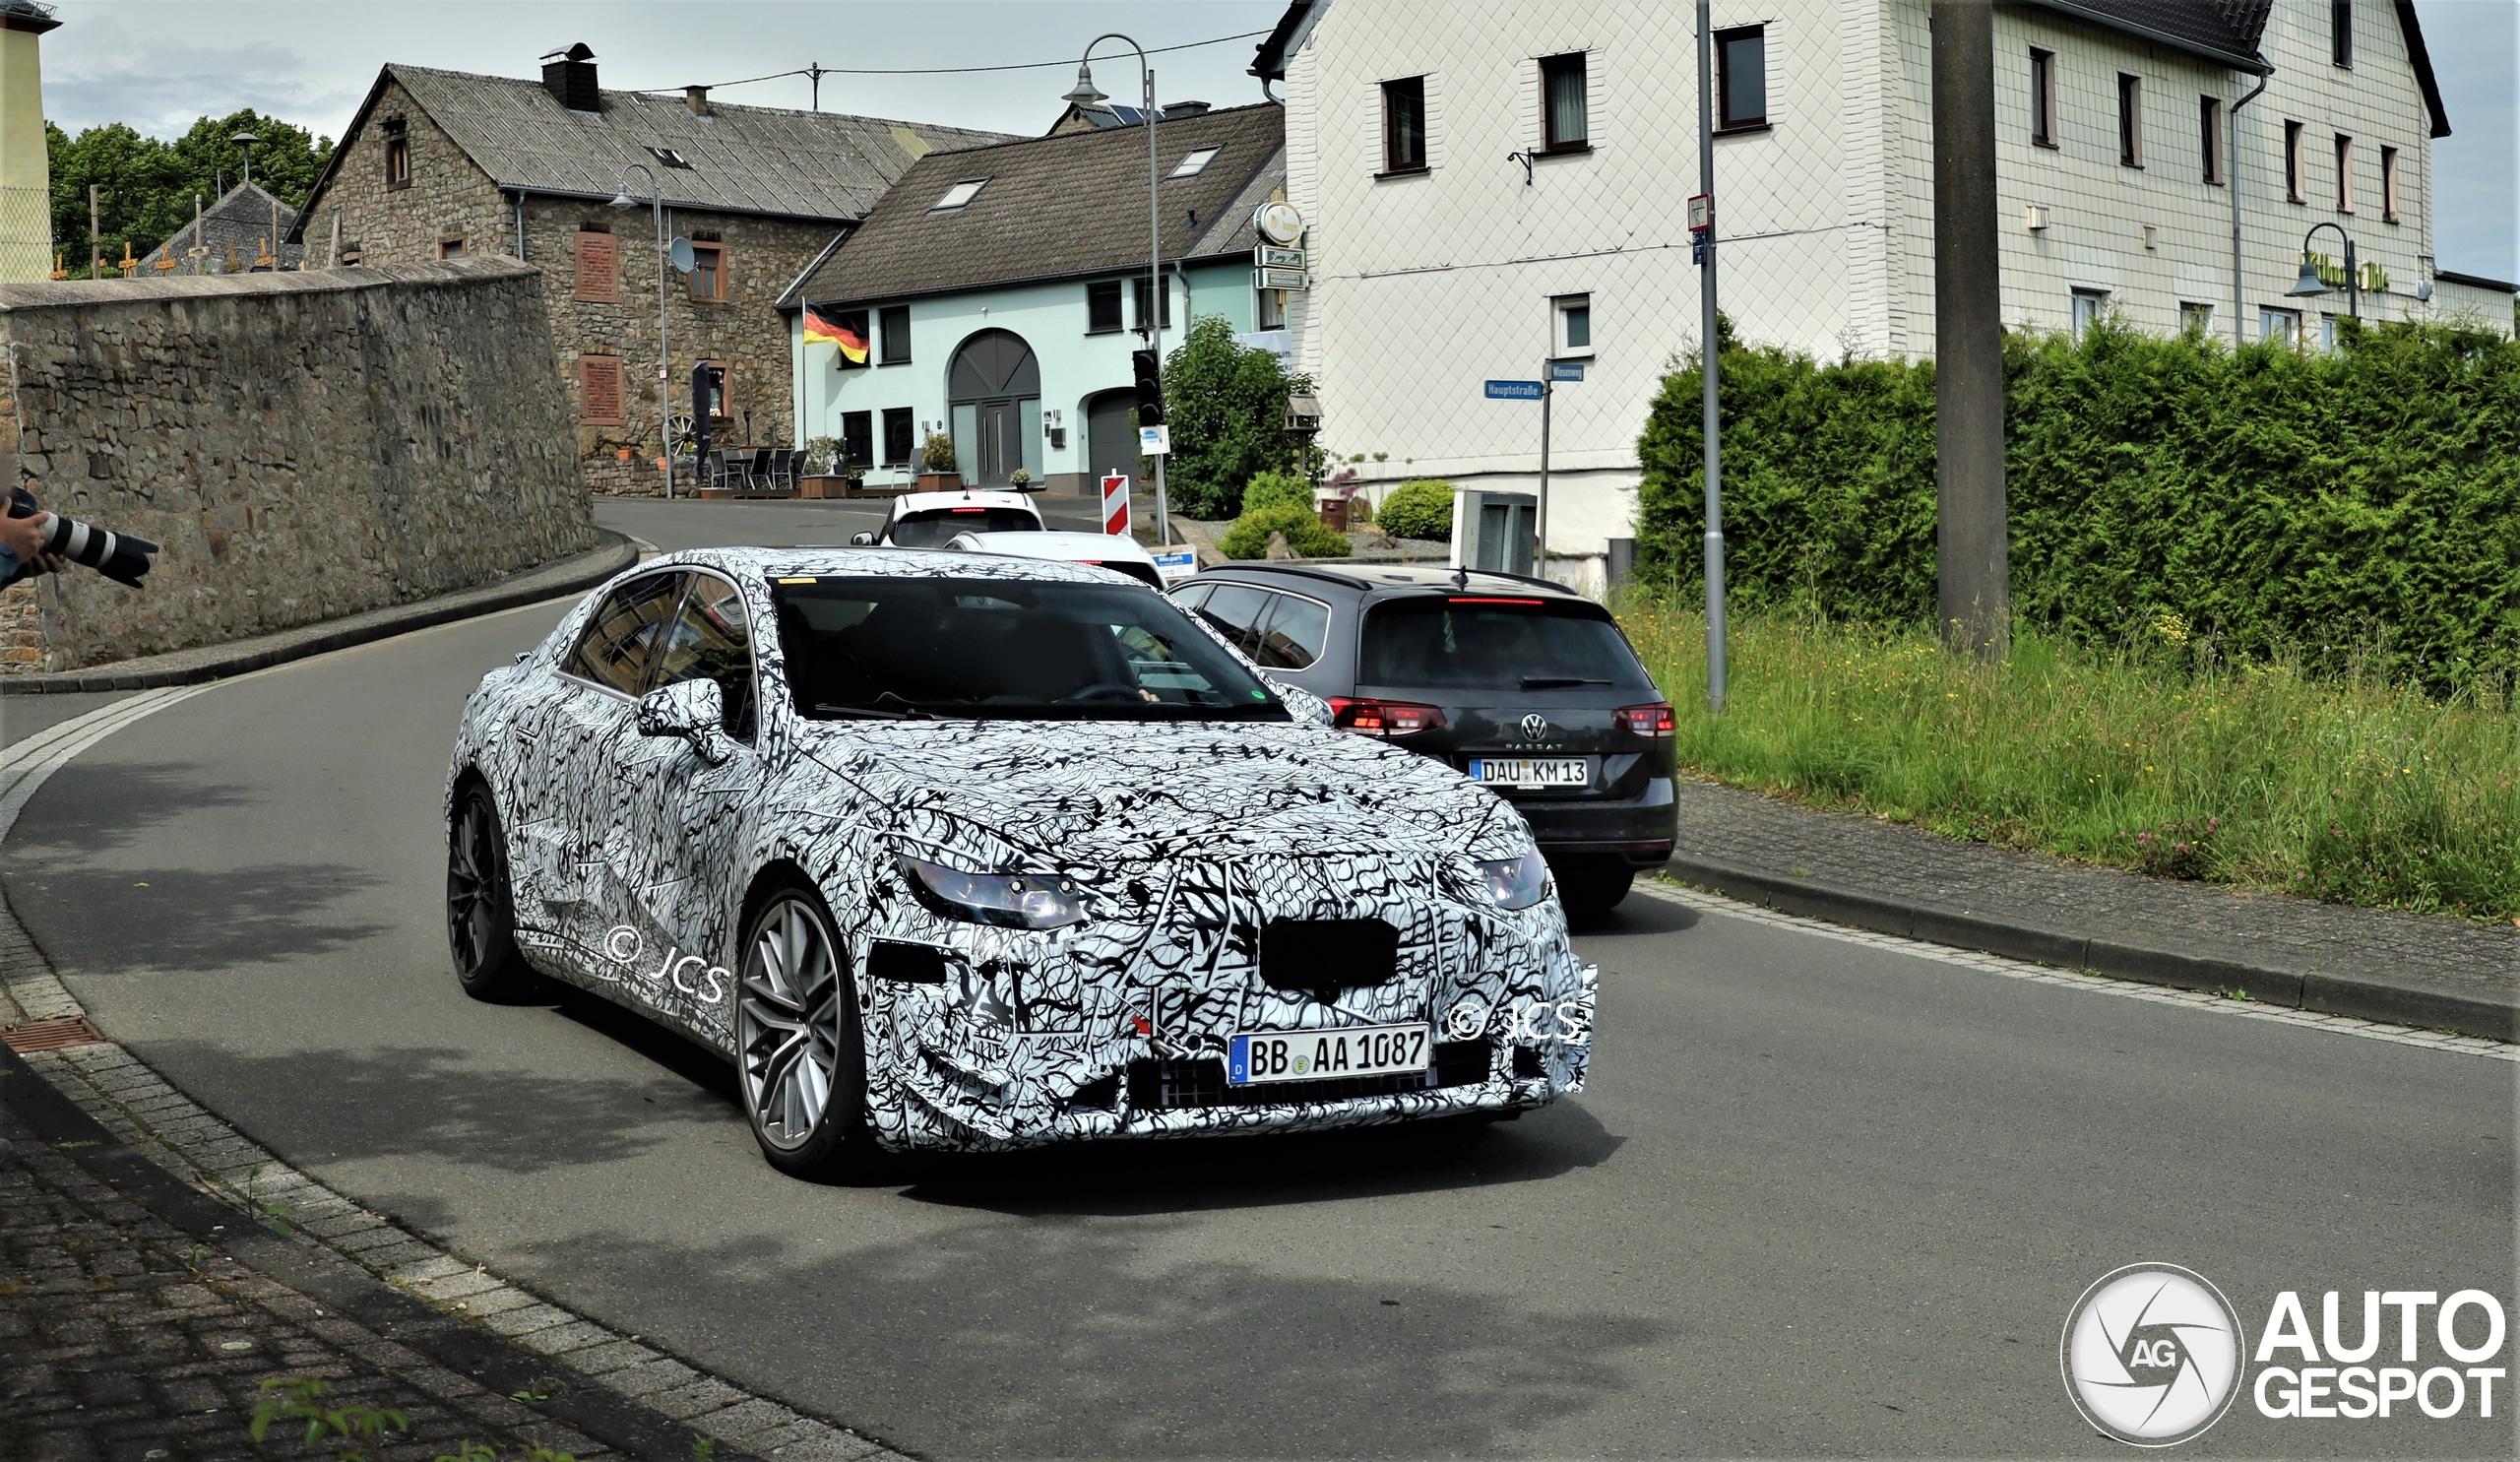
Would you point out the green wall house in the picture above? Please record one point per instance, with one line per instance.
(997, 293)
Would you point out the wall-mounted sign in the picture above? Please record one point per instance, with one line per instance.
(1279, 222)
(1270, 257)
(1277, 279)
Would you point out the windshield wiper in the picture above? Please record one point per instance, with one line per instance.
(885, 707)
(1559, 682)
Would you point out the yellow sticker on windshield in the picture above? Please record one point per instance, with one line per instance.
(808, 579)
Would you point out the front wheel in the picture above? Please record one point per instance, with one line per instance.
(480, 912)
(797, 1048)
(1591, 885)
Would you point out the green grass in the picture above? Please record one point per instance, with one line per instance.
(2157, 755)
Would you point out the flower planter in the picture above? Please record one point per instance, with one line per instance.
(826, 485)
(940, 482)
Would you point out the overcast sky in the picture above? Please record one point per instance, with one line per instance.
(158, 66)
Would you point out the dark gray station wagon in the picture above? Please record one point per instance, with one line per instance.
(1524, 686)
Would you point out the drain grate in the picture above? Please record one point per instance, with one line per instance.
(50, 1035)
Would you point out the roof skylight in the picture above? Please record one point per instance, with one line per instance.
(959, 194)
(1193, 162)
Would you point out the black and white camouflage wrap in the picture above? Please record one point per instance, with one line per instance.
(631, 857)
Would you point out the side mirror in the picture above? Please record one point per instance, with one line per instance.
(862, 541)
(694, 711)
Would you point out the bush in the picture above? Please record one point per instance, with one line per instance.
(2355, 505)
(1226, 406)
(1270, 488)
(1249, 536)
(1421, 508)
(937, 454)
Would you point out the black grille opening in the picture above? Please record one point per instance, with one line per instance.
(1527, 1063)
(1102, 1094)
(1199, 1081)
(1332, 954)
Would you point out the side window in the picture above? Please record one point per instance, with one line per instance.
(1294, 634)
(621, 640)
(1235, 610)
(712, 640)
(1190, 597)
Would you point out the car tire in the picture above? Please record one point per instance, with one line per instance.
(1590, 887)
(799, 1060)
(480, 908)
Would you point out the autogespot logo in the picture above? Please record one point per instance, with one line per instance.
(2152, 1354)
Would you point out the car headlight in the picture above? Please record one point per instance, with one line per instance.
(1016, 901)
(1516, 882)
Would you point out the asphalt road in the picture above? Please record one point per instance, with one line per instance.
(1822, 1198)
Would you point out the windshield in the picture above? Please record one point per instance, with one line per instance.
(1494, 643)
(912, 648)
(931, 529)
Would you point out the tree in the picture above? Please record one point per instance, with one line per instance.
(148, 184)
(1226, 406)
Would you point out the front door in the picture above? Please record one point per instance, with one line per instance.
(1001, 449)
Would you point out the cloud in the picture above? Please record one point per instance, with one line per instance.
(162, 87)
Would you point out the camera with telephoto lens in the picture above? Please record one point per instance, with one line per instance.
(118, 555)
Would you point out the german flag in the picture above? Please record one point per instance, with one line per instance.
(851, 343)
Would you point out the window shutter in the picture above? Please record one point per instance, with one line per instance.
(598, 267)
(599, 385)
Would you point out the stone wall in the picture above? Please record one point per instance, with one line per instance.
(303, 445)
(450, 203)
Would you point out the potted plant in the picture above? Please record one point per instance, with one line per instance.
(1019, 480)
(936, 463)
(822, 456)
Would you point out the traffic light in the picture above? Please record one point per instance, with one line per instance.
(1149, 374)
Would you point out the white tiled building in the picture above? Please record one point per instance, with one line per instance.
(1471, 169)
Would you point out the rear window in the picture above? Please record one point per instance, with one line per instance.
(933, 530)
(1470, 643)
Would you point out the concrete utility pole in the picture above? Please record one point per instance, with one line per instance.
(1717, 671)
(1975, 594)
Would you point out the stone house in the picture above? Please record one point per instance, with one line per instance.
(446, 165)
(999, 294)
(1491, 185)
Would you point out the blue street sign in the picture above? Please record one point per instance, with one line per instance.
(1513, 390)
(1566, 370)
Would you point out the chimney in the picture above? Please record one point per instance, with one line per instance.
(697, 99)
(569, 76)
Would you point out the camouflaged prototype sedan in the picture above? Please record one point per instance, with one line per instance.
(953, 851)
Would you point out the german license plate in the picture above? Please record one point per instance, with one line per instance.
(1530, 770)
(1326, 1055)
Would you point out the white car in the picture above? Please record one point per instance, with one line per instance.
(1096, 549)
(926, 520)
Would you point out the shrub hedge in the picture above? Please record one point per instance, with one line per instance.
(1271, 490)
(1303, 525)
(1421, 508)
(2361, 504)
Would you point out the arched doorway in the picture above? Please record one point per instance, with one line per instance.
(994, 388)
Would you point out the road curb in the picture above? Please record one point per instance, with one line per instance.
(2397, 1002)
(561, 576)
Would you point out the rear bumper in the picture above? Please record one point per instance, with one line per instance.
(1641, 830)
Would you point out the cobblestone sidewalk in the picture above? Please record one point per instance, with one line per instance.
(124, 1338)
(2427, 970)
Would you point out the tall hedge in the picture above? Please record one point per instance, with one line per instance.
(2322, 504)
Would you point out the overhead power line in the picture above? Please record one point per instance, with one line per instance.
(819, 70)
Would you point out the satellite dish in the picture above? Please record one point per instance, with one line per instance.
(681, 254)
(1279, 222)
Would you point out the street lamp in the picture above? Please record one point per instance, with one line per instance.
(2310, 285)
(1087, 95)
(665, 376)
(247, 139)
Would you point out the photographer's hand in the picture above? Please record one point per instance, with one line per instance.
(25, 536)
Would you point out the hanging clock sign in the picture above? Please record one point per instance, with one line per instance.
(1279, 222)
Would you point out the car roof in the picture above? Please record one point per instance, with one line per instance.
(1060, 543)
(879, 563)
(1389, 578)
(968, 497)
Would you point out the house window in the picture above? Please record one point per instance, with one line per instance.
(2344, 174)
(600, 395)
(1102, 307)
(2296, 187)
(2327, 332)
(709, 272)
(2195, 318)
(599, 265)
(2130, 120)
(398, 154)
(2279, 326)
(1404, 125)
(1193, 162)
(2389, 185)
(1741, 77)
(1571, 326)
(2089, 307)
(959, 194)
(352, 255)
(2209, 121)
(856, 441)
(897, 436)
(1564, 108)
(450, 246)
(1273, 309)
(721, 390)
(853, 324)
(895, 319)
(1138, 299)
(2042, 97)
(2339, 21)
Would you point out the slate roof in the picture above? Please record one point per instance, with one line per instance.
(1057, 207)
(240, 219)
(823, 165)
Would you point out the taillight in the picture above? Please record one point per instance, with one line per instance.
(1654, 721)
(1383, 718)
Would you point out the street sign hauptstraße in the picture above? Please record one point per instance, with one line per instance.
(1513, 390)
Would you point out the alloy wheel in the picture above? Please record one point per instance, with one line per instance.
(471, 886)
(790, 1024)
